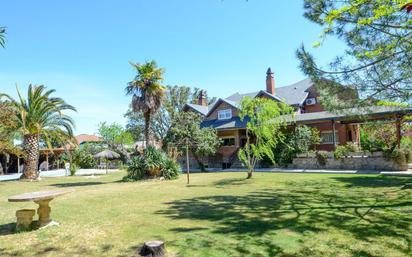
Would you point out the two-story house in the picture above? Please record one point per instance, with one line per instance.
(303, 96)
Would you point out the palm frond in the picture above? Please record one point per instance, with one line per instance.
(40, 113)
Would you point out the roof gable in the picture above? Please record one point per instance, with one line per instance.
(266, 94)
(296, 93)
(201, 109)
(219, 102)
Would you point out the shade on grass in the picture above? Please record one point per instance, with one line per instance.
(219, 214)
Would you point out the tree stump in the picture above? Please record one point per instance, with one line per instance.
(153, 249)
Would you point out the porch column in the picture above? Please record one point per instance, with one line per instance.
(237, 138)
(398, 131)
(333, 134)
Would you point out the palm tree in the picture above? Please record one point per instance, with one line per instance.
(39, 117)
(2, 36)
(147, 92)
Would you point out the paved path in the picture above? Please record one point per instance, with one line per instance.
(59, 173)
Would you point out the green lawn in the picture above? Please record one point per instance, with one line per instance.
(219, 214)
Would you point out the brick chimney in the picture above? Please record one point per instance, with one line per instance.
(202, 98)
(270, 82)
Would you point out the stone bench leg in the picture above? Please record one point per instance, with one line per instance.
(24, 219)
(44, 212)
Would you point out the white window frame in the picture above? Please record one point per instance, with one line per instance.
(330, 137)
(224, 114)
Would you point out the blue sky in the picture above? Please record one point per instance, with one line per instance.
(82, 48)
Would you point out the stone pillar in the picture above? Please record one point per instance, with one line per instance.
(44, 212)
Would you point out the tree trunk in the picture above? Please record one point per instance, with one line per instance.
(153, 249)
(31, 156)
(147, 127)
(200, 163)
(249, 174)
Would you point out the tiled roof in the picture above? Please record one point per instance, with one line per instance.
(200, 108)
(296, 93)
(234, 122)
(350, 113)
(355, 113)
(87, 138)
(293, 94)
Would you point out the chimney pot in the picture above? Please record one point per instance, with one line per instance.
(270, 82)
(202, 98)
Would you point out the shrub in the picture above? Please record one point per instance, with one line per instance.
(153, 163)
(340, 152)
(378, 137)
(81, 158)
(296, 141)
(137, 169)
(322, 157)
(171, 169)
(352, 147)
(344, 150)
(73, 169)
(401, 156)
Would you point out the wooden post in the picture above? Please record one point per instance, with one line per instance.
(398, 131)
(107, 163)
(7, 163)
(18, 164)
(47, 160)
(187, 163)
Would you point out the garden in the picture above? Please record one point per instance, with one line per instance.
(218, 214)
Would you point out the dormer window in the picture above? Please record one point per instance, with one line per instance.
(224, 114)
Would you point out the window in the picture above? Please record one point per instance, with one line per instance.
(229, 141)
(327, 137)
(224, 114)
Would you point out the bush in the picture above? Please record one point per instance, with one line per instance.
(340, 152)
(73, 169)
(352, 147)
(401, 156)
(136, 170)
(322, 157)
(153, 163)
(171, 169)
(81, 158)
(344, 150)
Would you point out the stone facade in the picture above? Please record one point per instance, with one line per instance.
(354, 162)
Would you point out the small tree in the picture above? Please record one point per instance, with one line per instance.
(266, 118)
(297, 140)
(186, 131)
(116, 137)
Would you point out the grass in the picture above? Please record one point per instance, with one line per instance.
(219, 214)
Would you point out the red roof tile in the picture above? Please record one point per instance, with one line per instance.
(87, 138)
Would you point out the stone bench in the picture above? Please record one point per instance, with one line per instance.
(24, 219)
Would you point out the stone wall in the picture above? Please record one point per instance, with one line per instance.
(354, 161)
